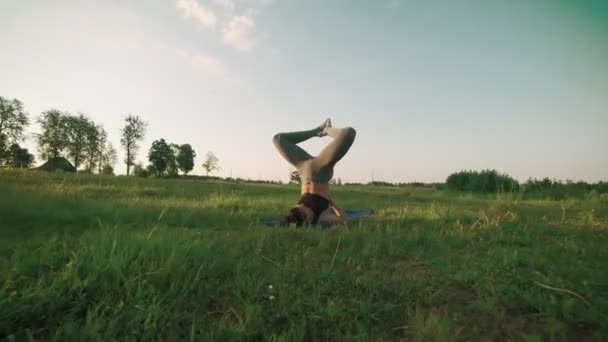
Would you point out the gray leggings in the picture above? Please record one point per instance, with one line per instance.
(319, 169)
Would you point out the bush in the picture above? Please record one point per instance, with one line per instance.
(486, 181)
(380, 183)
(139, 171)
(557, 190)
(150, 171)
(107, 170)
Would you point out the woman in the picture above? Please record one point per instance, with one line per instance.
(315, 173)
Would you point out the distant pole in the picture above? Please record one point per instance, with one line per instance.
(372, 175)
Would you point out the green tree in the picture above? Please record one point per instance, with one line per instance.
(53, 139)
(109, 156)
(78, 131)
(294, 177)
(106, 153)
(13, 121)
(211, 163)
(93, 146)
(101, 148)
(172, 166)
(133, 132)
(160, 156)
(20, 157)
(185, 158)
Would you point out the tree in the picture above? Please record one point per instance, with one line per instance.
(52, 141)
(106, 153)
(101, 149)
(211, 163)
(110, 156)
(133, 132)
(294, 177)
(160, 156)
(13, 121)
(94, 146)
(172, 166)
(20, 157)
(185, 158)
(78, 130)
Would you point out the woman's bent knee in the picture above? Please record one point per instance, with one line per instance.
(350, 132)
(276, 139)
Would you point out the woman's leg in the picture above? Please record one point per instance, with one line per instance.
(286, 143)
(332, 153)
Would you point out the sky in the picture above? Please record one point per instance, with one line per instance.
(432, 87)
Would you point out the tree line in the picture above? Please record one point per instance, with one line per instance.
(491, 181)
(85, 144)
(167, 159)
(78, 138)
(82, 141)
(13, 121)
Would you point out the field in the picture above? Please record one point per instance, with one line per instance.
(103, 258)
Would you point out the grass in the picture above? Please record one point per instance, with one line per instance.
(104, 258)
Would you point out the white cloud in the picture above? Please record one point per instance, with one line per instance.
(237, 25)
(192, 9)
(239, 33)
(225, 4)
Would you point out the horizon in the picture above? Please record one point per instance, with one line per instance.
(431, 88)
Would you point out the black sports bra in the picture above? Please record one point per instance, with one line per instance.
(316, 203)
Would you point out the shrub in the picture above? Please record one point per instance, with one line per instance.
(139, 171)
(107, 170)
(558, 190)
(486, 181)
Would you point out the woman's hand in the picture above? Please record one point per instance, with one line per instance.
(339, 212)
(339, 217)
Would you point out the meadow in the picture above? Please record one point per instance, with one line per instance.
(86, 257)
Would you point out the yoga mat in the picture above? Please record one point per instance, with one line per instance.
(352, 215)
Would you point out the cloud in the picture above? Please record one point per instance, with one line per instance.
(225, 4)
(239, 33)
(192, 9)
(237, 27)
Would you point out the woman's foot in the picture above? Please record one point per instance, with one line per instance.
(324, 125)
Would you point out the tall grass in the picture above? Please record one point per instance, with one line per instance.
(107, 258)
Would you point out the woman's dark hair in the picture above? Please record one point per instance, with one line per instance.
(295, 216)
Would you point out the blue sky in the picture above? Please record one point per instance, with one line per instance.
(432, 87)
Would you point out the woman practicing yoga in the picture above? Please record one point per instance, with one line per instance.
(315, 173)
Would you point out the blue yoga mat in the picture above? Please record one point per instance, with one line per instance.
(352, 215)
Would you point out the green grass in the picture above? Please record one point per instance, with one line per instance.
(105, 258)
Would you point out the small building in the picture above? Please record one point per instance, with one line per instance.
(57, 164)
